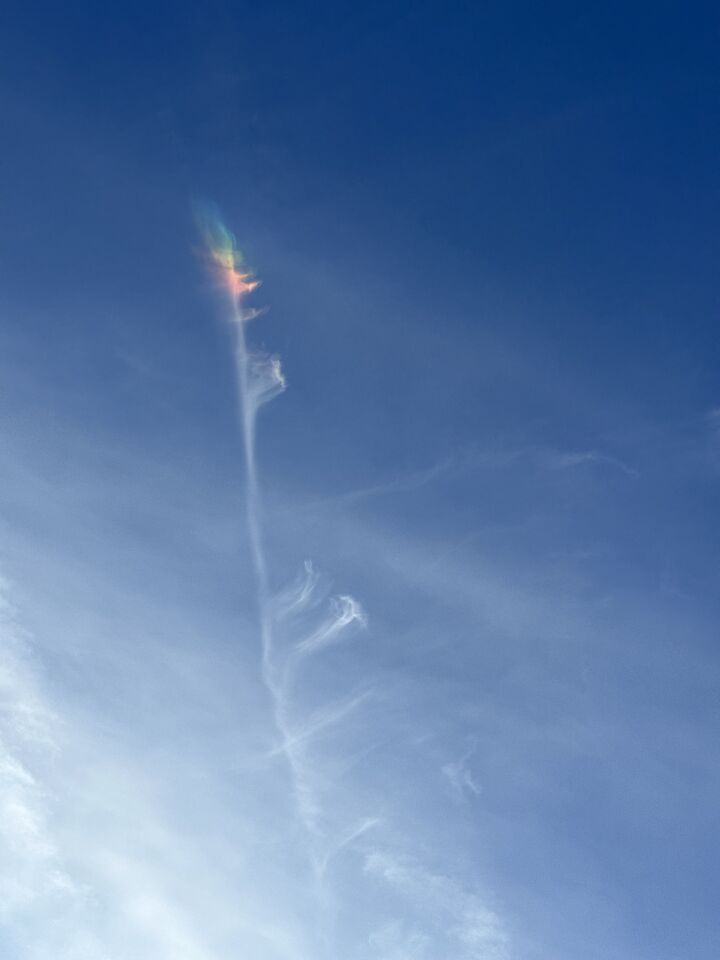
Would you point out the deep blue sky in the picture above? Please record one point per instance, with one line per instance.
(488, 236)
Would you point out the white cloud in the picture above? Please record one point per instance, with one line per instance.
(448, 917)
(460, 777)
(31, 866)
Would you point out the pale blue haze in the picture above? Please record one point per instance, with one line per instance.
(488, 238)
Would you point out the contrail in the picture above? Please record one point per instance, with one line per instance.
(259, 379)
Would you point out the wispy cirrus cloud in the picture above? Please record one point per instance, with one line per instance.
(447, 916)
(460, 776)
(32, 867)
(579, 458)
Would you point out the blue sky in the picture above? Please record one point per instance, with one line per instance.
(488, 240)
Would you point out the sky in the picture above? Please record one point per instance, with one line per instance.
(381, 625)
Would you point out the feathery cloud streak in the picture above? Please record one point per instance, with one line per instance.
(259, 380)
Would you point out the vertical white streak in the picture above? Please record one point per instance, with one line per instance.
(259, 379)
(251, 397)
